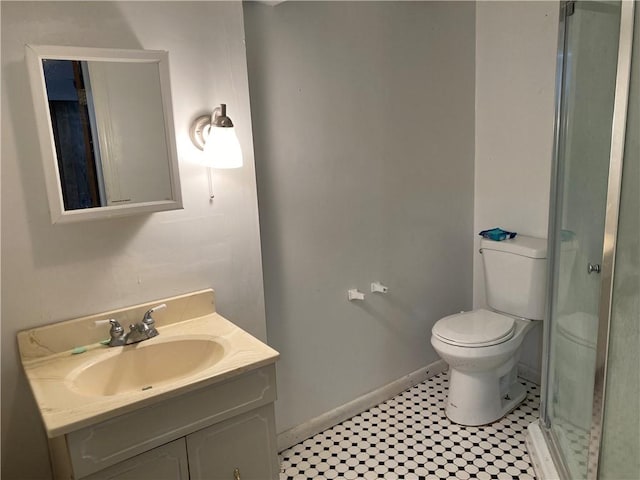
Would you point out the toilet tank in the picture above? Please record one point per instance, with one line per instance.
(515, 273)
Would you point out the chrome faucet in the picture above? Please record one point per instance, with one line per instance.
(137, 331)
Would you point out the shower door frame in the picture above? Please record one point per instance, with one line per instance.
(616, 157)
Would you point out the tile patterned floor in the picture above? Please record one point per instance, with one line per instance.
(410, 438)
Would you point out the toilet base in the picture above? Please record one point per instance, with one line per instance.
(479, 399)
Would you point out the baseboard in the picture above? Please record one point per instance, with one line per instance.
(539, 453)
(333, 417)
(529, 373)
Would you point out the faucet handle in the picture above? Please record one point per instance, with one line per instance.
(116, 329)
(148, 324)
(112, 321)
(147, 315)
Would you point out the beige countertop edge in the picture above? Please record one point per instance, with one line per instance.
(56, 429)
(246, 354)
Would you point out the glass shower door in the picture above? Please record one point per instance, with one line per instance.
(583, 149)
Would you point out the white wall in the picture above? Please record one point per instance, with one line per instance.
(516, 45)
(363, 122)
(51, 273)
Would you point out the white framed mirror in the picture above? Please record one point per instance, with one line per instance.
(105, 124)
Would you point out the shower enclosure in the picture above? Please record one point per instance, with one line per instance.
(589, 417)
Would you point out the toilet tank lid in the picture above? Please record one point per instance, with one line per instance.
(523, 245)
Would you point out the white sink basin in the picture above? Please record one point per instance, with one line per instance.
(143, 366)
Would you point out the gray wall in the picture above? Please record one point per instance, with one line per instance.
(363, 117)
(52, 273)
(516, 45)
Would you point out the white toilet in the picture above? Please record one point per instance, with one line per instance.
(482, 347)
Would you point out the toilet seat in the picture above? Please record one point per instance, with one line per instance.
(478, 328)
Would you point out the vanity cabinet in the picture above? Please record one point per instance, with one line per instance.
(200, 405)
(225, 431)
(240, 448)
(167, 462)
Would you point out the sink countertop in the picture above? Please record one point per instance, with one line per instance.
(49, 367)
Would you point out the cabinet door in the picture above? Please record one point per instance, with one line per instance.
(241, 448)
(167, 462)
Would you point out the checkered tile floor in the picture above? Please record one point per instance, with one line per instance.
(410, 438)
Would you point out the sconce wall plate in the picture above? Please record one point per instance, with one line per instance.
(197, 130)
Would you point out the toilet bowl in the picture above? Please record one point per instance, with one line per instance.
(483, 384)
(482, 347)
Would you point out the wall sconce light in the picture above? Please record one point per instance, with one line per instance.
(216, 136)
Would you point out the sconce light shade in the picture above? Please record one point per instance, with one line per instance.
(216, 135)
(222, 148)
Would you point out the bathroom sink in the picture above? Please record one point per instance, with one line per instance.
(79, 382)
(143, 366)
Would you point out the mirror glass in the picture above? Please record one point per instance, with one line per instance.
(106, 129)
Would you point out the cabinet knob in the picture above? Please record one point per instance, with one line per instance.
(593, 268)
(236, 474)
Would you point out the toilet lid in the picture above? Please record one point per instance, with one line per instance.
(478, 328)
